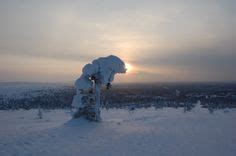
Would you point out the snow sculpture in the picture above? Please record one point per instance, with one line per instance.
(100, 72)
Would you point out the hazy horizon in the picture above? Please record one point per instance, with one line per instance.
(163, 41)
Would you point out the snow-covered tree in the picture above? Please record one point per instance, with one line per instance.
(88, 86)
(40, 114)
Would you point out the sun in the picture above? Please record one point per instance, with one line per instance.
(128, 67)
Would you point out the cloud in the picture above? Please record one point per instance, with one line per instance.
(194, 36)
(196, 64)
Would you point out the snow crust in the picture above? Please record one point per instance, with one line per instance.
(165, 132)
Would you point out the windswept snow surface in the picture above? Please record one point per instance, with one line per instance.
(165, 132)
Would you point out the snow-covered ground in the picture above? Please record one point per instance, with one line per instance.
(165, 132)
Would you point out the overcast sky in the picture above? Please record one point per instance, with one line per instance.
(164, 40)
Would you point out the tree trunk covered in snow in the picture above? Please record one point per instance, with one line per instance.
(97, 100)
(88, 85)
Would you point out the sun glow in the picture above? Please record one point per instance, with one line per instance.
(128, 67)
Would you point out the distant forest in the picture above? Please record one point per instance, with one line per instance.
(131, 96)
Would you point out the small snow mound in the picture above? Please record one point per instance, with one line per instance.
(76, 122)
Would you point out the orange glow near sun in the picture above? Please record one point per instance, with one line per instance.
(128, 67)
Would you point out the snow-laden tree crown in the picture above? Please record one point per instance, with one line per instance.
(102, 69)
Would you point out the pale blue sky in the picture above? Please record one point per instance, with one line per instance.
(168, 40)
